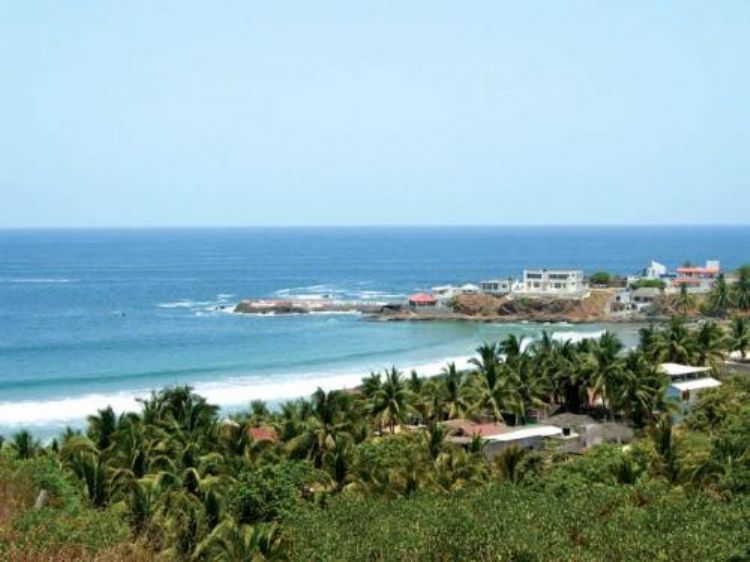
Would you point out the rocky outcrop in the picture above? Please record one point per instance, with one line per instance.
(487, 308)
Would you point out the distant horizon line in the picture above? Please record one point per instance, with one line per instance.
(375, 226)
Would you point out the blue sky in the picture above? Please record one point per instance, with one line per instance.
(379, 112)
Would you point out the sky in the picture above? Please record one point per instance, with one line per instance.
(403, 112)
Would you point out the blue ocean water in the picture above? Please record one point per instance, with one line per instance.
(95, 316)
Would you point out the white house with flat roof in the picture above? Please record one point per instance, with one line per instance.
(687, 382)
(527, 437)
(554, 281)
(497, 286)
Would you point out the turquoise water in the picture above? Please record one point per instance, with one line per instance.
(95, 317)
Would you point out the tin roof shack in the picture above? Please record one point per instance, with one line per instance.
(527, 437)
(462, 431)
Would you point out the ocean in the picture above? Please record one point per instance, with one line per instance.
(96, 317)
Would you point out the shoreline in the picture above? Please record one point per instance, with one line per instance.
(232, 394)
(48, 416)
(503, 319)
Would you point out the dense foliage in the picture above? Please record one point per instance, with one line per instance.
(370, 475)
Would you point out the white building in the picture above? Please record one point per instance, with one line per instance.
(687, 382)
(496, 286)
(445, 293)
(697, 279)
(527, 437)
(554, 281)
(655, 270)
(470, 289)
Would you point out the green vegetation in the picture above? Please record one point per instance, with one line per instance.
(648, 283)
(371, 474)
(725, 297)
(601, 278)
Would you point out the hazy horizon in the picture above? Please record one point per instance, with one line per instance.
(328, 114)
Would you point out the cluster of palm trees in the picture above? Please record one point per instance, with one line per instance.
(725, 297)
(172, 468)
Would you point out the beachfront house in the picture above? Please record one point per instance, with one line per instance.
(497, 287)
(687, 382)
(470, 289)
(644, 297)
(445, 293)
(554, 282)
(698, 279)
(421, 301)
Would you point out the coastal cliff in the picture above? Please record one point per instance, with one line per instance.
(596, 307)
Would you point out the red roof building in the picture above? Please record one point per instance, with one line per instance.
(263, 433)
(422, 299)
(710, 271)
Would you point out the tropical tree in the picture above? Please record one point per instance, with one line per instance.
(509, 465)
(325, 426)
(742, 288)
(455, 392)
(721, 298)
(674, 344)
(684, 301)
(390, 405)
(740, 335)
(666, 459)
(102, 427)
(605, 368)
(24, 445)
(709, 344)
(640, 394)
(230, 542)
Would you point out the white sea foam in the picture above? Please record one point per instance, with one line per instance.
(575, 337)
(228, 393)
(36, 280)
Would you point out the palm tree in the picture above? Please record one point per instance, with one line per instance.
(742, 288)
(457, 469)
(371, 385)
(508, 464)
(455, 392)
(684, 301)
(390, 404)
(259, 412)
(666, 462)
(434, 440)
(570, 378)
(720, 298)
(492, 390)
(180, 409)
(489, 356)
(91, 470)
(24, 445)
(674, 344)
(416, 383)
(230, 542)
(322, 429)
(512, 348)
(641, 391)
(709, 344)
(740, 336)
(530, 388)
(648, 341)
(605, 368)
(102, 427)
